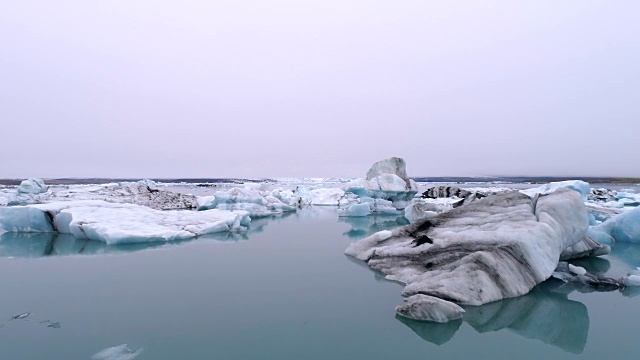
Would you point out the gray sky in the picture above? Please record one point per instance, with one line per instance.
(127, 88)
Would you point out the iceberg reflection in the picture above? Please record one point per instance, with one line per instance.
(362, 227)
(541, 314)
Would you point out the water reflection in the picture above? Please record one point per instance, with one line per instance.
(362, 227)
(542, 314)
(34, 245)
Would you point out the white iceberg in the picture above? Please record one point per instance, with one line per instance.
(490, 249)
(583, 188)
(367, 206)
(419, 211)
(253, 198)
(32, 186)
(119, 223)
(386, 179)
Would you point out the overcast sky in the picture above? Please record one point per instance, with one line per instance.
(127, 88)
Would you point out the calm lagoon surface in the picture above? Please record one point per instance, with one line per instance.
(284, 290)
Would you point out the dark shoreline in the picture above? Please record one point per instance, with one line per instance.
(439, 179)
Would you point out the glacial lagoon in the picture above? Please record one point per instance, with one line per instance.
(283, 290)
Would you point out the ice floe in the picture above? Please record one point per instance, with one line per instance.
(32, 186)
(494, 248)
(115, 223)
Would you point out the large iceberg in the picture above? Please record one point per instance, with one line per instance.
(387, 180)
(118, 223)
(494, 248)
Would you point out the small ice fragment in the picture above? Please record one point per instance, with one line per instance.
(21, 316)
(120, 352)
(577, 270)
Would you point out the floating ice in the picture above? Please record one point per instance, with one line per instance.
(632, 278)
(32, 186)
(139, 193)
(577, 185)
(119, 223)
(387, 179)
(624, 228)
(253, 198)
(120, 352)
(585, 248)
(494, 248)
(579, 276)
(419, 211)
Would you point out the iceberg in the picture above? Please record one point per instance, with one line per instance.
(490, 249)
(119, 223)
(388, 180)
(367, 206)
(623, 228)
(32, 186)
(139, 193)
(253, 198)
(583, 188)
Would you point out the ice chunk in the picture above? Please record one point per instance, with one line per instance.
(632, 278)
(120, 352)
(326, 197)
(579, 276)
(207, 202)
(368, 206)
(624, 228)
(120, 223)
(24, 219)
(392, 165)
(577, 185)
(387, 179)
(356, 210)
(586, 247)
(418, 211)
(254, 199)
(494, 248)
(429, 308)
(32, 186)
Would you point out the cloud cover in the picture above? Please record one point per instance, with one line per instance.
(318, 88)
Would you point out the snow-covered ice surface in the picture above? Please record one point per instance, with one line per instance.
(577, 185)
(494, 248)
(115, 223)
(145, 192)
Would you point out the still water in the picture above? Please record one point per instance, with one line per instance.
(284, 290)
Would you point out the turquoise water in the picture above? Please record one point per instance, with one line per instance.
(285, 290)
